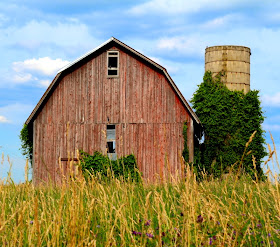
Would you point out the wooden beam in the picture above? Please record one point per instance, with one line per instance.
(70, 159)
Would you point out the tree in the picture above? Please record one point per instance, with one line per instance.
(229, 118)
(26, 142)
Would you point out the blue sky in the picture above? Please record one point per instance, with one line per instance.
(37, 38)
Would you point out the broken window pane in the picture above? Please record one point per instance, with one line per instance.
(112, 72)
(113, 62)
(111, 141)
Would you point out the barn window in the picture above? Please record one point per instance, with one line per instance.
(111, 141)
(113, 63)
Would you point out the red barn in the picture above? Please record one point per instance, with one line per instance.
(113, 100)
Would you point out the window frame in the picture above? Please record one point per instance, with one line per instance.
(112, 156)
(113, 68)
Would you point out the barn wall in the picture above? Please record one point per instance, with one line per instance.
(147, 112)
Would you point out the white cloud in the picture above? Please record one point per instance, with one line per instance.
(271, 100)
(222, 21)
(21, 78)
(3, 19)
(44, 66)
(15, 113)
(271, 127)
(36, 70)
(52, 37)
(183, 45)
(181, 6)
(44, 83)
(3, 119)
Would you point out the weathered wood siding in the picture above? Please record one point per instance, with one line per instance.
(147, 112)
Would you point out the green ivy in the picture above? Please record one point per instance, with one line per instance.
(229, 119)
(26, 142)
(98, 163)
(185, 152)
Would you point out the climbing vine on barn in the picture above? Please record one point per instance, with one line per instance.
(229, 119)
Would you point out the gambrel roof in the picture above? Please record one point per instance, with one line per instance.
(93, 52)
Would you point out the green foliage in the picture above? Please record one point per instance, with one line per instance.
(98, 163)
(229, 119)
(185, 152)
(26, 142)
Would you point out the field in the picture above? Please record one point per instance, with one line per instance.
(233, 211)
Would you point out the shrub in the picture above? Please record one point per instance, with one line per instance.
(98, 163)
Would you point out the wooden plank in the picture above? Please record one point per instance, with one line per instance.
(95, 138)
(157, 100)
(127, 93)
(87, 96)
(149, 95)
(169, 151)
(122, 82)
(140, 142)
(58, 104)
(45, 151)
(68, 98)
(160, 149)
(49, 164)
(83, 103)
(58, 147)
(100, 92)
(103, 138)
(103, 92)
(67, 159)
(145, 96)
(171, 144)
(39, 144)
(92, 92)
(155, 151)
(177, 150)
(141, 96)
(117, 100)
(136, 87)
(36, 144)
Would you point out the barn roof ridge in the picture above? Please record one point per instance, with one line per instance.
(60, 72)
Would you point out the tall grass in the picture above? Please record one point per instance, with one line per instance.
(217, 212)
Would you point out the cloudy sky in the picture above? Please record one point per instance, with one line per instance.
(37, 38)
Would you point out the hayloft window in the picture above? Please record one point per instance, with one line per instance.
(113, 63)
(111, 142)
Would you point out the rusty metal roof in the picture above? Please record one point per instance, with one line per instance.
(64, 69)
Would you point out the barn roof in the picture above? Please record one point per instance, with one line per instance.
(64, 70)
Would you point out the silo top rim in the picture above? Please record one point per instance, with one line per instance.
(228, 47)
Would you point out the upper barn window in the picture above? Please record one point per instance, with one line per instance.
(113, 63)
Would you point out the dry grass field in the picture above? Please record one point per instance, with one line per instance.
(234, 211)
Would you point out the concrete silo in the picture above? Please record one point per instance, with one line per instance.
(234, 61)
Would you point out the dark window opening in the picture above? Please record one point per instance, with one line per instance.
(112, 72)
(111, 147)
(112, 63)
(111, 127)
(113, 53)
(111, 141)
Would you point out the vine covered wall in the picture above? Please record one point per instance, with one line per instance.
(229, 119)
